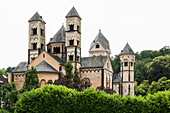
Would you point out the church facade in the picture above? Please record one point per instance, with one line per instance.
(94, 71)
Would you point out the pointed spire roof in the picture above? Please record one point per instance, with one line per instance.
(102, 40)
(73, 13)
(127, 50)
(36, 17)
(59, 36)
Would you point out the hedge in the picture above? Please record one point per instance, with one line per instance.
(59, 99)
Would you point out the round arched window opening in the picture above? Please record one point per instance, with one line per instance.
(50, 82)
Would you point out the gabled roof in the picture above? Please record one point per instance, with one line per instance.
(45, 67)
(127, 50)
(36, 17)
(58, 59)
(59, 36)
(73, 13)
(102, 40)
(22, 67)
(93, 62)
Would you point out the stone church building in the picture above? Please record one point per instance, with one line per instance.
(95, 70)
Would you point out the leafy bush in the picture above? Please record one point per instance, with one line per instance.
(53, 98)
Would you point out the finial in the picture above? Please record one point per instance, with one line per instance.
(62, 24)
(99, 30)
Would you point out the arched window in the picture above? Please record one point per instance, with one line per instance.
(50, 82)
(34, 31)
(71, 57)
(42, 32)
(85, 83)
(60, 68)
(72, 27)
(42, 83)
(34, 46)
(71, 42)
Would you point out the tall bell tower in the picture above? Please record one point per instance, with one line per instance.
(36, 37)
(127, 60)
(73, 38)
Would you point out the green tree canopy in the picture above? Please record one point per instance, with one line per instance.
(116, 64)
(144, 88)
(8, 96)
(31, 79)
(159, 67)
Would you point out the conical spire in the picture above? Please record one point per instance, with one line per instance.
(36, 17)
(127, 50)
(59, 36)
(73, 13)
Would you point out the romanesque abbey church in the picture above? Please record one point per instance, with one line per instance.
(95, 70)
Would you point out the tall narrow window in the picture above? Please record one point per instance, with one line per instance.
(34, 31)
(57, 49)
(97, 46)
(71, 42)
(49, 50)
(78, 58)
(78, 28)
(126, 64)
(42, 32)
(54, 50)
(77, 43)
(34, 45)
(42, 46)
(131, 63)
(72, 27)
(129, 88)
(71, 57)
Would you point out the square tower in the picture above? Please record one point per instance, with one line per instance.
(36, 37)
(73, 38)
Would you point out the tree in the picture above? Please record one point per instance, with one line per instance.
(31, 79)
(2, 72)
(163, 84)
(8, 96)
(158, 68)
(142, 88)
(116, 64)
(165, 50)
(141, 69)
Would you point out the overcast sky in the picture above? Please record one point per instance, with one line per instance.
(144, 24)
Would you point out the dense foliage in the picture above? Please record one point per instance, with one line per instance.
(70, 79)
(52, 99)
(8, 96)
(144, 88)
(5, 72)
(152, 65)
(149, 65)
(31, 79)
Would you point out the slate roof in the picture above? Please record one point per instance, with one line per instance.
(127, 50)
(73, 13)
(45, 67)
(116, 78)
(61, 61)
(59, 36)
(93, 62)
(102, 40)
(36, 17)
(22, 67)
